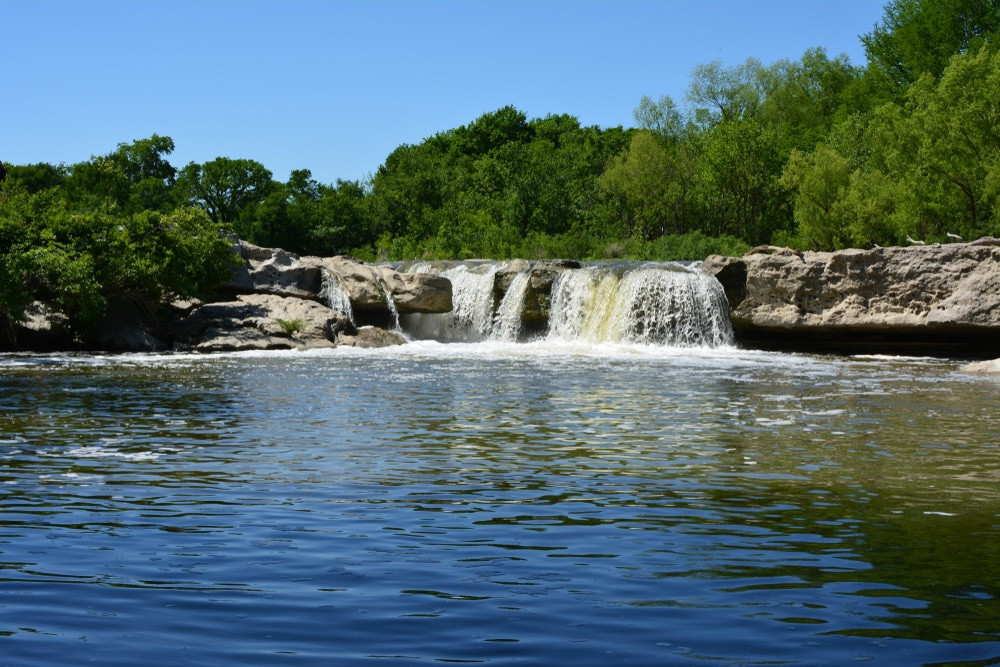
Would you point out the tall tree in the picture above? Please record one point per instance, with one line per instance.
(723, 94)
(740, 164)
(804, 98)
(225, 187)
(920, 36)
(135, 177)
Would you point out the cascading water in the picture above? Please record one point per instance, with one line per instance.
(649, 303)
(335, 295)
(507, 322)
(664, 304)
(389, 302)
(471, 317)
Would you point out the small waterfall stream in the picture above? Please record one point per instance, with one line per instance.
(507, 322)
(335, 295)
(624, 302)
(471, 318)
(389, 302)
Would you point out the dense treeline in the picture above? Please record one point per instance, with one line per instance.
(813, 153)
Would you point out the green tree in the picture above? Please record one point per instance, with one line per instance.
(342, 223)
(955, 125)
(819, 181)
(805, 98)
(135, 177)
(723, 94)
(737, 190)
(918, 37)
(80, 259)
(652, 185)
(491, 131)
(37, 177)
(226, 188)
(661, 116)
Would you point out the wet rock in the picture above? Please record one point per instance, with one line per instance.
(370, 337)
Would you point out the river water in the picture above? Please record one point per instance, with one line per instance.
(503, 503)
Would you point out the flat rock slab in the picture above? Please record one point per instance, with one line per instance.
(939, 299)
(260, 322)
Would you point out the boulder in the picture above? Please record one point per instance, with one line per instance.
(988, 367)
(370, 337)
(367, 286)
(260, 322)
(939, 299)
(274, 271)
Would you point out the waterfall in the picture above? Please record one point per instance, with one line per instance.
(625, 302)
(471, 316)
(661, 304)
(389, 302)
(335, 294)
(507, 322)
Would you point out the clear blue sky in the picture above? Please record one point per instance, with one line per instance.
(335, 85)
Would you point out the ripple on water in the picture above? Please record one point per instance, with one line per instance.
(532, 503)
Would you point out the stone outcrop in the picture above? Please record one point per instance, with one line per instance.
(939, 299)
(274, 271)
(279, 300)
(538, 296)
(368, 285)
(260, 322)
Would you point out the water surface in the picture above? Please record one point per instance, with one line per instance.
(529, 504)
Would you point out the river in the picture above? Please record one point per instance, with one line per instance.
(539, 503)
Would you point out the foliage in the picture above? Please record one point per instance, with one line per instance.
(80, 259)
(225, 187)
(919, 37)
(134, 178)
(922, 169)
(291, 327)
(693, 246)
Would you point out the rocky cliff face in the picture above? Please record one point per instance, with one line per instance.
(940, 299)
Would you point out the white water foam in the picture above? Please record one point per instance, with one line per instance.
(507, 323)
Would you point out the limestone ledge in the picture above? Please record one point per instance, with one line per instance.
(937, 299)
